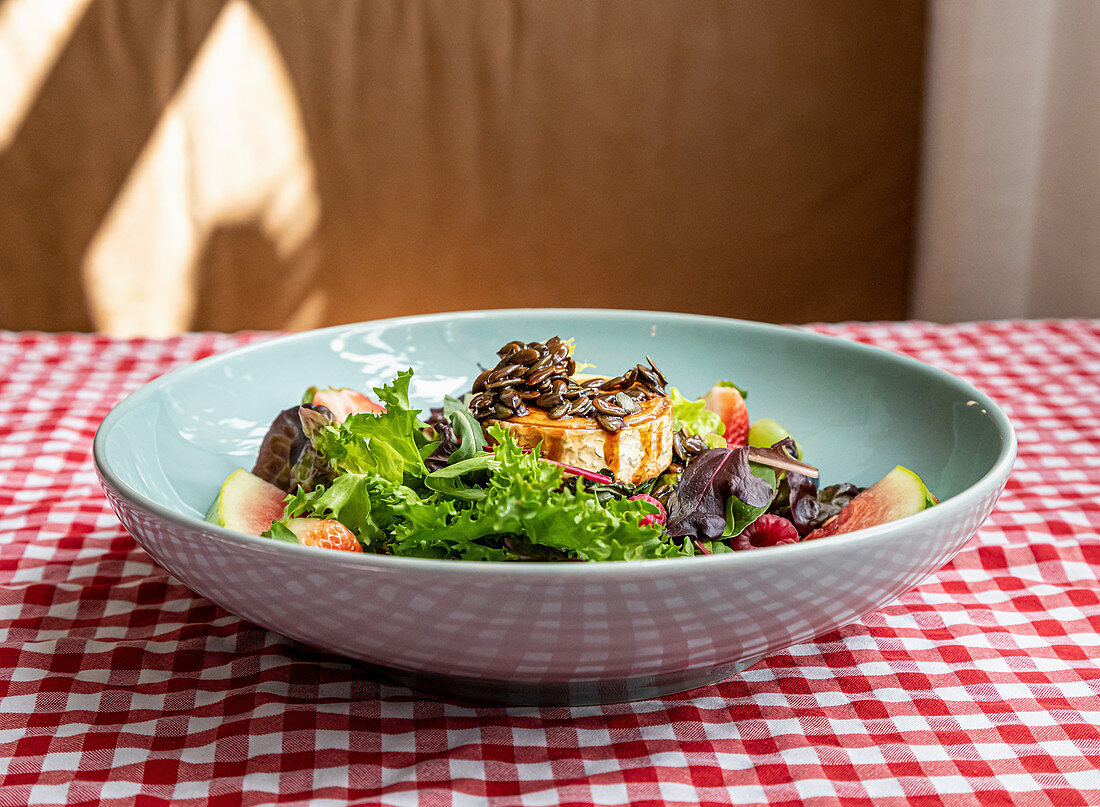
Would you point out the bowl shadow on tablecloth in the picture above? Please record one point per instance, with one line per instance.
(475, 692)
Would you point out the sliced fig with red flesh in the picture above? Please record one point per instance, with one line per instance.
(898, 494)
(246, 503)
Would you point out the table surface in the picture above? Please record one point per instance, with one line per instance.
(980, 686)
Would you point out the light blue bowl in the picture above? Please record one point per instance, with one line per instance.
(560, 632)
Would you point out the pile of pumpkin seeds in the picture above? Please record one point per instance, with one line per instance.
(541, 374)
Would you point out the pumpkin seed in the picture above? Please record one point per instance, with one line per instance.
(608, 406)
(609, 423)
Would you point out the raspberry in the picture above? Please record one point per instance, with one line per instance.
(768, 530)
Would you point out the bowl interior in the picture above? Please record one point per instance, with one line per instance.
(857, 411)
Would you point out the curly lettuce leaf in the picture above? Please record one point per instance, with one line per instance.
(506, 504)
(391, 444)
(694, 417)
(364, 503)
(524, 498)
(523, 512)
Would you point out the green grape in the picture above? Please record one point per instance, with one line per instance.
(766, 432)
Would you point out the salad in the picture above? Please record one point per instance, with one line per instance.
(541, 461)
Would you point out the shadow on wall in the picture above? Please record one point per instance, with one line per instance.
(227, 151)
(231, 164)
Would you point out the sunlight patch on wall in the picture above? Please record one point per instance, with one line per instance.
(229, 148)
(32, 35)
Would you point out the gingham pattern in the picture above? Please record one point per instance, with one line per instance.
(978, 687)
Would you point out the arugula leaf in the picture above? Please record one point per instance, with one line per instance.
(448, 478)
(466, 428)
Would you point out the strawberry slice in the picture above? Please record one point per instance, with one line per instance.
(326, 533)
(727, 401)
(343, 402)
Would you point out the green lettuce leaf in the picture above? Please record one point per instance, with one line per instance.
(524, 497)
(696, 418)
(391, 444)
(364, 503)
(449, 479)
(280, 532)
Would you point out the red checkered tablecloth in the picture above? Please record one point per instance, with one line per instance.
(980, 686)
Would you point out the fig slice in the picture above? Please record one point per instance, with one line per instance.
(898, 494)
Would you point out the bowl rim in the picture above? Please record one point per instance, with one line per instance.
(962, 501)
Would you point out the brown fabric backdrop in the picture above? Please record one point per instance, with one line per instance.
(754, 159)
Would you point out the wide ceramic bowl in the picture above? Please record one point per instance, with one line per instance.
(560, 632)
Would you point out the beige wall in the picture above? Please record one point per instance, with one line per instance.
(1010, 198)
(284, 164)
